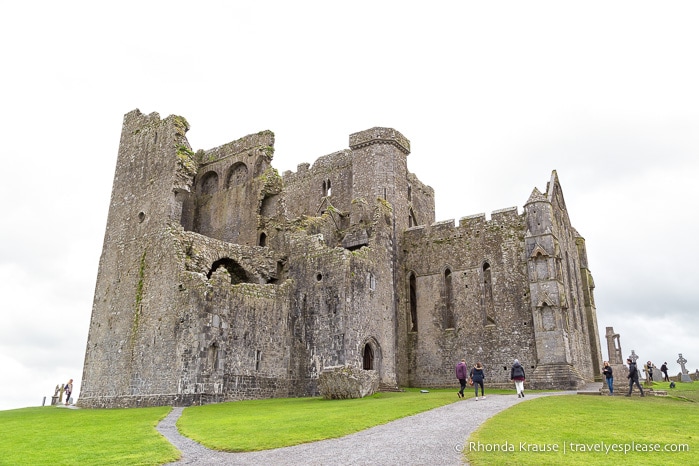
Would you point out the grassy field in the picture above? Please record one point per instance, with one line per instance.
(593, 430)
(59, 436)
(266, 424)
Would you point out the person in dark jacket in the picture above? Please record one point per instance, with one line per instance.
(609, 375)
(69, 390)
(517, 374)
(477, 377)
(633, 377)
(462, 375)
(663, 369)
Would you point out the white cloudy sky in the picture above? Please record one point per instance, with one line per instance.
(492, 95)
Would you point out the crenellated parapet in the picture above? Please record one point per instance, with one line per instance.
(472, 225)
(323, 166)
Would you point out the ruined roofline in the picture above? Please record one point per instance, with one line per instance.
(378, 135)
(326, 162)
(466, 224)
(263, 139)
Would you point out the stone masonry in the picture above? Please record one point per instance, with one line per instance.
(222, 280)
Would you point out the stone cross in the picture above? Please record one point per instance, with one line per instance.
(684, 376)
(613, 347)
(634, 356)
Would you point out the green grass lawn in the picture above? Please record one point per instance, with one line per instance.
(61, 436)
(575, 425)
(265, 424)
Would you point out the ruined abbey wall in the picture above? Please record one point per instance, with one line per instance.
(222, 280)
(472, 296)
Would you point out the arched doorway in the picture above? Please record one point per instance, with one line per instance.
(368, 356)
(371, 355)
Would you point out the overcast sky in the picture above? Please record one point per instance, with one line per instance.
(492, 95)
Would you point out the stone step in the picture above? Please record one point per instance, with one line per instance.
(389, 388)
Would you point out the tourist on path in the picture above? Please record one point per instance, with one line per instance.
(633, 377)
(609, 374)
(462, 375)
(663, 369)
(68, 390)
(517, 374)
(477, 377)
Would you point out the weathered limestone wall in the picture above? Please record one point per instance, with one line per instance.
(305, 189)
(229, 189)
(490, 320)
(128, 345)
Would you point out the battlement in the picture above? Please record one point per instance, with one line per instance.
(324, 164)
(135, 117)
(378, 135)
(262, 141)
(469, 225)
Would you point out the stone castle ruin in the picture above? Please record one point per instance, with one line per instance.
(222, 280)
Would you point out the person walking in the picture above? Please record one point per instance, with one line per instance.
(518, 376)
(609, 375)
(462, 375)
(633, 377)
(68, 390)
(477, 377)
(663, 369)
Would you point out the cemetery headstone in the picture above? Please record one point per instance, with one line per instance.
(684, 375)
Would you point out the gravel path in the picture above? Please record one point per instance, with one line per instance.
(432, 437)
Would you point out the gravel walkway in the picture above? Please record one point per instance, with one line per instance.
(432, 437)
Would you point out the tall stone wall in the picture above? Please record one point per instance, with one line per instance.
(490, 318)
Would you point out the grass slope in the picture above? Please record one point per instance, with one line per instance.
(585, 430)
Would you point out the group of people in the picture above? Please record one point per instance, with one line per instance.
(476, 377)
(649, 370)
(632, 375)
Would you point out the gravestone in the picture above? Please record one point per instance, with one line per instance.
(633, 357)
(54, 398)
(684, 375)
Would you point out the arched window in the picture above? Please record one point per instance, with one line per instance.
(327, 188)
(488, 305)
(237, 273)
(263, 239)
(209, 183)
(448, 300)
(412, 221)
(237, 175)
(213, 357)
(413, 302)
